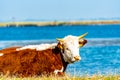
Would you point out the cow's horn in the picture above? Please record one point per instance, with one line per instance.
(83, 35)
(58, 39)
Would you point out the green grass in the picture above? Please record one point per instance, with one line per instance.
(85, 77)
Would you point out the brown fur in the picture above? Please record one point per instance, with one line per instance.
(30, 62)
(8, 50)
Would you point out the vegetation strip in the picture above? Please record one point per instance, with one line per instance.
(57, 23)
(94, 77)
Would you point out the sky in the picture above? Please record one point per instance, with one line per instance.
(19, 10)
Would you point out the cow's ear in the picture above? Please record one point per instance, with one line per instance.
(82, 42)
(60, 45)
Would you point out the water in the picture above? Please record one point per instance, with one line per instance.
(100, 55)
(52, 32)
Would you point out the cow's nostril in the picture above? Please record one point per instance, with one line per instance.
(77, 58)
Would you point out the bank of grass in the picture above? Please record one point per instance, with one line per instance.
(57, 23)
(85, 77)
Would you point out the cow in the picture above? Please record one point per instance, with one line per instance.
(42, 59)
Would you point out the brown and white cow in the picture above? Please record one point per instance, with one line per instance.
(43, 59)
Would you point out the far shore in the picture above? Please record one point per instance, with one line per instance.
(58, 23)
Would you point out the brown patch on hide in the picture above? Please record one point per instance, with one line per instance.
(30, 62)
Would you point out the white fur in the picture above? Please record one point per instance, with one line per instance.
(71, 48)
(56, 71)
(1, 54)
(38, 47)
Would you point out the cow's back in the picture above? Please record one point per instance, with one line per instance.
(29, 62)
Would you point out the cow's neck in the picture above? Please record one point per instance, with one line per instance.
(64, 63)
(58, 51)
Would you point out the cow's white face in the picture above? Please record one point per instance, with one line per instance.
(70, 48)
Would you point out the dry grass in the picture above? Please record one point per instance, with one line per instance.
(55, 23)
(85, 77)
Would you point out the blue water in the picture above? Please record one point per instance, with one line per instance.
(100, 55)
(51, 32)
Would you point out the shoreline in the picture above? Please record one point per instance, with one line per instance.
(58, 23)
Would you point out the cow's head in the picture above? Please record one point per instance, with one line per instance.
(70, 47)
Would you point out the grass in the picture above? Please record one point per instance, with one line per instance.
(85, 77)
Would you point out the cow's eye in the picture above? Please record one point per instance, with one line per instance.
(67, 49)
